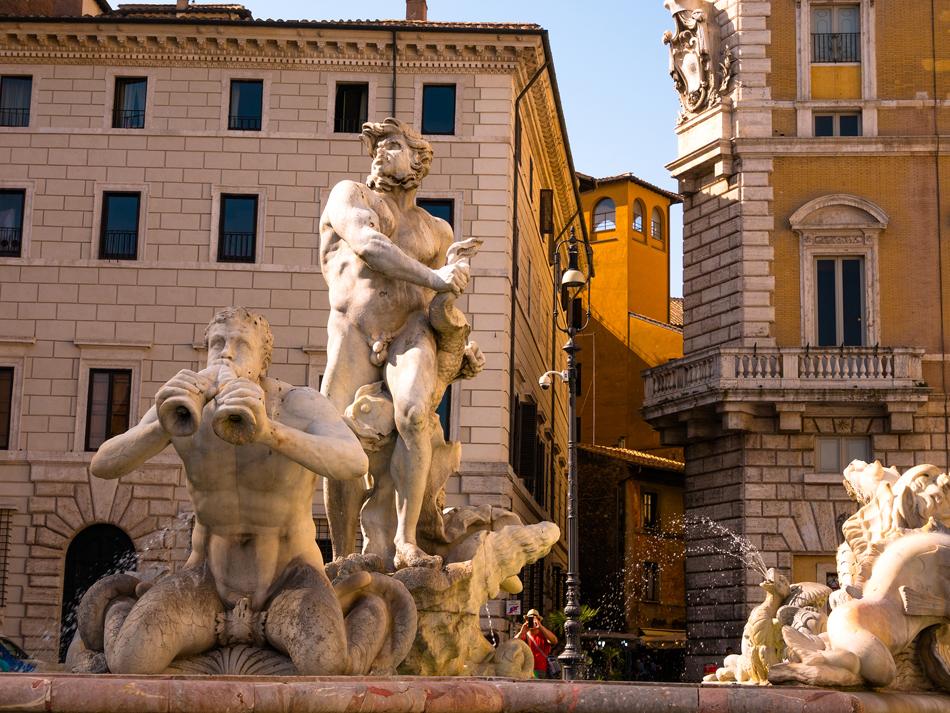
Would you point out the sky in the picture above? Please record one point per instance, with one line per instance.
(612, 71)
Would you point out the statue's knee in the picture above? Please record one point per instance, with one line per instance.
(411, 420)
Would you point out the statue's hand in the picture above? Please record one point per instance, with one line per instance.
(451, 278)
(245, 395)
(189, 384)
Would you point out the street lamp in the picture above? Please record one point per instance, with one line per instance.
(569, 318)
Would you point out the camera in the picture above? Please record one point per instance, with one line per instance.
(547, 378)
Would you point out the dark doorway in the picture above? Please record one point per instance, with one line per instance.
(95, 552)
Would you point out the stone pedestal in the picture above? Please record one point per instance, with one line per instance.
(74, 693)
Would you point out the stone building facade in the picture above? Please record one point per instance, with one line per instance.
(812, 156)
(159, 168)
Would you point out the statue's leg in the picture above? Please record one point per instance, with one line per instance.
(176, 617)
(411, 375)
(348, 368)
(305, 621)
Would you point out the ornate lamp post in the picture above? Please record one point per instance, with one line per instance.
(570, 318)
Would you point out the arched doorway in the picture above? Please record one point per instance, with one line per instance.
(95, 552)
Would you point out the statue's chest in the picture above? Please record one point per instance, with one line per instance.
(413, 235)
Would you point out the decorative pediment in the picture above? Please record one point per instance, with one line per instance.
(701, 68)
(838, 212)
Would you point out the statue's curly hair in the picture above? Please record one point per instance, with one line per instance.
(374, 132)
(242, 314)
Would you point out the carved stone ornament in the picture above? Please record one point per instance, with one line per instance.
(699, 80)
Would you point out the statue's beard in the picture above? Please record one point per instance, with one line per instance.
(387, 182)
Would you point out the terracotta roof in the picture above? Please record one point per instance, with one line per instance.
(635, 457)
(676, 311)
(656, 322)
(589, 183)
(235, 11)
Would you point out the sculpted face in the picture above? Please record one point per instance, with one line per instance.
(393, 158)
(238, 345)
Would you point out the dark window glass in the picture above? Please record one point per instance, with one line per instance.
(578, 379)
(11, 222)
(238, 237)
(438, 109)
(526, 443)
(638, 217)
(440, 208)
(6, 405)
(120, 226)
(445, 412)
(350, 111)
(827, 312)
(651, 582)
(323, 540)
(107, 410)
(649, 509)
(824, 125)
(128, 111)
(849, 125)
(246, 108)
(851, 302)
(15, 100)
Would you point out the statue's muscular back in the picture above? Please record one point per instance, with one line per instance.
(373, 301)
(252, 504)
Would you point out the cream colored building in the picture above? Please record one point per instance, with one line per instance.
(159, 166)
(813, 157)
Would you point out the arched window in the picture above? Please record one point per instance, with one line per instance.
(95, 552)
(656, 225)
(605, 215)
(638, 216)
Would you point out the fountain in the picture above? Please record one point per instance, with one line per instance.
(256, 621)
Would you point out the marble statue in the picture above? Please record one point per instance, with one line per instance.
(889, 625)
(252, 448)
(395, 341)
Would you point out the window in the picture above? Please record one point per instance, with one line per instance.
(120, 226)
(351, 108)
(107, 410)
(11, 222)
(651, 582)
(839, 283)
(525, 443)
(128, 109)
(836, 33)
(656, 224)
(237, 241)
(443, 208)
(444, 412)
(15, 100)
(605, 215)
(6, 405)
(848, 124)
(833, 454)
(638, 216)
(649, 509)
(438, 109)
(532, 596)
(531, 179)
(246, 108)
(323, 539)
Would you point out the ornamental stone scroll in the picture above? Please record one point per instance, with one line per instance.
(700, 65)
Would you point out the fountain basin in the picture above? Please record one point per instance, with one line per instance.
(83, 693)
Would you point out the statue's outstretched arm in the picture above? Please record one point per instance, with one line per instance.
(358, 225)
(327, 446)
(124, 453)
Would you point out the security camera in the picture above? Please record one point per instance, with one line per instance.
(545, 381)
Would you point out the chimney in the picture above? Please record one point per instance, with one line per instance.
(416, 10)
(182, 5)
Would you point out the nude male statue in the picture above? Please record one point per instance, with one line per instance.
(384, 259)
(251, 477)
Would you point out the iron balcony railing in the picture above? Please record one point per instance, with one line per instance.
(237, 122)
(236, 247)
(128, 119)
(836, 47)
(118, 245)
(15, 117)
(10, 240)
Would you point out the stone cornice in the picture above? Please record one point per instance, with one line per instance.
(840, 146)
(210, 46)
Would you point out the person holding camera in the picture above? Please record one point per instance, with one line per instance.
(539, 639)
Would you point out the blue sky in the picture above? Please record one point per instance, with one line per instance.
(612, 70)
